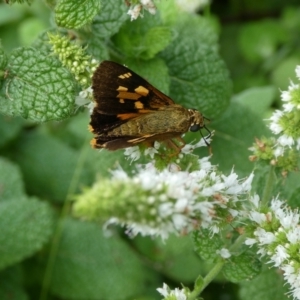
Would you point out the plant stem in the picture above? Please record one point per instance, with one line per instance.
(267, 192)
(207, 279)
(216, 269)
(59, 228)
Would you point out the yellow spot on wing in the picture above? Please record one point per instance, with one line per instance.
(127, 116)
(121, 101)
(138, 105)
(126, 75)
(93, 143)
(142, 91)
(122, 89)
(91, 129)
(128, 95)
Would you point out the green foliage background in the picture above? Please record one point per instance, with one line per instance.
(229, 61)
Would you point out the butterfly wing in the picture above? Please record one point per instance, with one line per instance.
(121, 95)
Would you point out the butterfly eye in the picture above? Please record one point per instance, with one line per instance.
(195, 127)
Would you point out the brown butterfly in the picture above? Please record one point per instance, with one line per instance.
(129, 111)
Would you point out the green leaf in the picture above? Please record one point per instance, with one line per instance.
(3, 60)
(48, 165)
(9, 129)
(199, 282)
(10, 15)
(261, 175)
(206, 245)
(41, 43)
(259, 40)
(26, 225)
(75, 14)
(169, 12)
(199, 77)
(3, 64)
(98, 49)
(154, 71)
(11, 284)
(37, 87)
(242, 267)
(30, 30)
(257, 99)
(29, 2)
(284, 72)
(235, 132)
(111, 17)
(290, 18)
(294, 200)
(174, 257)
(156, 39)
(143, 38)
(290, 189)
(91, 266)
(73, 134)
(11, 182)
(197, 27)
(180, 262)
(269, 285)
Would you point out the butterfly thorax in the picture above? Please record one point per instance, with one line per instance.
(196, 120)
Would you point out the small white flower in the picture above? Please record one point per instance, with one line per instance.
(298, 144)
(293, 235)
(224, 253)
(298, 72)
(164, 290)
(264, 237)
(278, 151)
(257, 217)
(234, 212)
(149, 6)
(247, 184)
(293, 86)
(255, 200)
(280, 256)
(289, 274)
(285, 96)
(167, 292)
(274, 125)
(135, 11)
(84, 97)
(119, 174)
(275, 128)
(205, 164)
(180, 221)
(288, 107)
(151, 151)
(250, 241)
(133, 153)
(276, 204)
(189, 148)
(214, 229)
(285, 140)
(290, 220)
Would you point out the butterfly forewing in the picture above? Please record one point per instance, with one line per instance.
(118, 90)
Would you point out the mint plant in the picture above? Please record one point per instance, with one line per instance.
(140, 223)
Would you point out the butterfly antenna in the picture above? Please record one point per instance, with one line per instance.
(207, 137)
